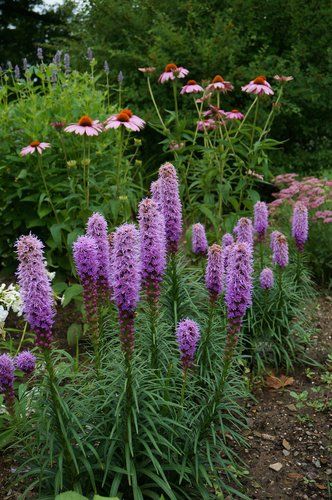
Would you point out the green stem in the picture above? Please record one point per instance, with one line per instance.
(153, 315)
(40, 165)
(271, 114)
(183, 388)
(175, 95)
(155, 105)
(174, 288)
(246, 116)
(22, 338)
(254, 124)
(120, 150)
(206, 341)
(261, 253)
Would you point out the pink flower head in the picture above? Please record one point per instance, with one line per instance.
(148, 69)
(215, 113)
(220, 85)
(204, 98)
(258, 86)
(126, 119)
(235, 114)
(283, 79)
(171, 72)
(206, 125)
(58, 125)
(35, 146)
(85, 125)
(191, 87)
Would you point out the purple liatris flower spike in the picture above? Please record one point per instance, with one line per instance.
(40, 53)
(120, 77)
(244, 232)
(126, 281)
(26, 362)
(266, 278)
(156, 194)
(214, 272)
(171, 205)
(279, 247)
(36, 289)
(226, 245)
(7, 378)
(187, 336)
(261, 219)
(152, 247)
(17, 72)
(106, 67)
(89, 54)
(300, 225)
(198, 239)
(97, 229)
(25, 63)
(238, 296)
(227, 240)
(66, 62)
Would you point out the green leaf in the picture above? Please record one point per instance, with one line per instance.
(56, 233)
(22, 174)
(98, 497)
(71, 293)
(70, 495)
(59, 287)
(74, 333)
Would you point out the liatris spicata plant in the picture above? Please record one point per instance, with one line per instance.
(187, 336)
(97, 229)
(300, 226)
(199, 240)
(36, 290)
(26, 362)
(214, 272)
(7, 380)
(266, 278)
(244, 232)
(261, 219)
(156, 194)
(226, 245)
(171, 205)
(126, 282)
(279, 248)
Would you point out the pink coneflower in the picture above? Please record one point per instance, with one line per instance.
(35, 146)
(127, 119)
(149, 69)
(204, 98)
(206, 125)
(235, 114)
(215, 112)
(191, 87)
(219, 84)
(58, 125)
(283, 79)
(258, 86)
(171, 72)
(86, 126)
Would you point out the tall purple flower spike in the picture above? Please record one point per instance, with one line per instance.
(187, 336)
(238, 296)
(97, 229)
(26, 362)
(171, 206)
(152, 247)
(244, 232)
(300, 225)
(261, 219)
(126, 281)
(279, 248)
(266, 278)
(36, 290)
(156, 193)
(214, 272)
(199, 240)
(7, 378)
(226, 245)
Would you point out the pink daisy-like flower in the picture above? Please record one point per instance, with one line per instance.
(206, 125)
(215, 113)
(191, 87)
(235, 114)
(171, 72)
(258, 86)
(219, 84)
(127, 119)
(204, 98)
(86, 126)
(35, 146)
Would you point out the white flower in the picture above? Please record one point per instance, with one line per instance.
(3, 314)
(51, 275)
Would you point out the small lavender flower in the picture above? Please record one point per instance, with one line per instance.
(36, 289)
(126, 281)
(120, 77)
(171, 205)
(26, 362)
(25, 64)
(198, 239)
(153, 247)
(89, 54)
(97, 229)
(106, 67)
(9, 65)
(7, 378)
(300, 225)
(266, 278)
(66, 62)
(214, 272)
(17, 72)
(273, 237)
(187, 336)
(238, 296)
(244, 232)
(40, 53)
(261, 219)
(57, 57)
(54, 76)
(227, 240)
(279, 248)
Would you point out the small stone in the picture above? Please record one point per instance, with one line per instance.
(286, 444)
(316, 463)
(276, 467)
(286, 452)
(291, 407)
(268, 437)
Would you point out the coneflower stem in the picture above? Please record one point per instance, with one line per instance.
(155, 104)
(271, 114)
(40, 165)
(254, 124)
(246, 116)
(175, 94)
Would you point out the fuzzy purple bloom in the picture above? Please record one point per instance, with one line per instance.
(7, 378)
(187, 336)
(156, 193)
(171, 206)
(300, 225)
(152, 247)
(26, 362)
(244, 232)
(214, 272)
(238, 296)
(227, 240)
(126, 281)
(261, 219)
(36, 289)
(266, 278)
(279, 248)
(226, 245)
(199, 240)
(97, 229)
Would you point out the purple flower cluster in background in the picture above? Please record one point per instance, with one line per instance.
(279, 247)
(36, 290)
(97, 229)
(199, 240)
(266, 278)
(171, 205)
(214, 272)
(26, 362)
(7, 378)
(244, 232)
(261, 219)
(300, 225)
(187, 336)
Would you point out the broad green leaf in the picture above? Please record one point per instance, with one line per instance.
(71, 293)
(74, 333)
(70, 495)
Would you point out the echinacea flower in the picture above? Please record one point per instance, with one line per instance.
(85, 125)
(187, 336)
(171, 72)
(127, 119)
(35, 146)
(258, 86)
(283, 79)
(203, 125)
(58, 125)
(191, 87)
(235, 114)
(215, 113)
(219, 84)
